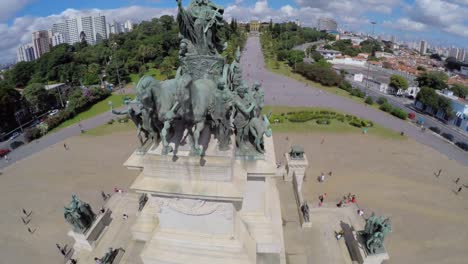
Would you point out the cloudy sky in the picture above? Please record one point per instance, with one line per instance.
(437, 21)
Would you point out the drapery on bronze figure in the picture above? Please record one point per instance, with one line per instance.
(79, 215)
(375, 231)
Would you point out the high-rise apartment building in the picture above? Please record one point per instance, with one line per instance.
(393, 39)
(57, 39)
(453, 52)
(128, 26)
(40, 41)
(25, 52)
(93, 28)
(60, 28)
(461, 55)
(422, 47)
(327, 24)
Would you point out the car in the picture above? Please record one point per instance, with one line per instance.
(16, 144)
(462, 145)
(14, 135)
(435, 129)
(53, 112)
(447, 136)
(4, 152)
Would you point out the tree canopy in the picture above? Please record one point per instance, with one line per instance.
(398, 82)
(434, 80)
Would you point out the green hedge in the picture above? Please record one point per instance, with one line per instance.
(399, 113)
(386, 107)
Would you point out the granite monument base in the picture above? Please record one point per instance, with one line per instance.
(90, 238)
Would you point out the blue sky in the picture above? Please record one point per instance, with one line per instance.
(437, 21)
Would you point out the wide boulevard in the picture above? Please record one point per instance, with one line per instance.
(281, 90)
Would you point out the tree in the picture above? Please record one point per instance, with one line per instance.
(434, 80)
(436, 56)
(460, 90)
(428, 97)
(166, 67)
(421, 68)
(451, 63)
(316, 55)
(37, 96)
(398, 82)
(22, 73)
(10, 102)
(295, 56)
(369, 100)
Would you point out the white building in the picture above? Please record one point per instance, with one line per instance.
(454, 52)
(57, 39)
(25, 52)
(94, 29)
(329, 54)
(423, 47)
(128, 26)
(40, 41)
(60, 28)
(461, 55)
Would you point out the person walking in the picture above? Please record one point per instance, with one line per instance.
(457, 180)
(459, 190)
(321, 197)
(65, 146)
(322, 177)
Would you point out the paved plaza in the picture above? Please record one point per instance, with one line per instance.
(394, 178)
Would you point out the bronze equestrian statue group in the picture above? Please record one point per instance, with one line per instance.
(206, 92)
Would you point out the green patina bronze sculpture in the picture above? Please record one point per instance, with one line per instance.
(375, 231)
(79, 215)
(110, 256)
(205, 93)
(297, 152)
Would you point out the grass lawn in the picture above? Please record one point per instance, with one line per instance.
(98, 108)
(107, 129)
(334, 127)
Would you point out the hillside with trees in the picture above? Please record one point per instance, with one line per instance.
(151, 45)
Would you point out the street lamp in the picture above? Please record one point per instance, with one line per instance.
(18, 120)
(114, 48)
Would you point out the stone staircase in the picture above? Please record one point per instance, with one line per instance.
(174, 248)
(261, 229)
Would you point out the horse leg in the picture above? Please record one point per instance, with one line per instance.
(166, 147)
(257, 139)
(196, 136)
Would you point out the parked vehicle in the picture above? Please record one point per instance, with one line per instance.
(16, 144)
(53, 112)
(3, 152)
(14, 135)
(435, 129)
(462, 145)
(447, 136)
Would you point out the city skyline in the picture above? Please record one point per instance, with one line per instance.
(407, 20)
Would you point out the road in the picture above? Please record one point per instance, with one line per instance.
(281, 90)
(53, 138)
(409, 107)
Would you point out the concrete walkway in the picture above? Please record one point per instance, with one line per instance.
(281, 90)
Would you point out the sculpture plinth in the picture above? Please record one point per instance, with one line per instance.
(89, 239)
(232, 218)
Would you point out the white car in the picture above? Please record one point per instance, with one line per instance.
(53, 112)
(14, 135)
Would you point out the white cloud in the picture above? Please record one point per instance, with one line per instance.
(19, 32)
(406, 24)
(8, 8)
(349, 7)
(450, 17)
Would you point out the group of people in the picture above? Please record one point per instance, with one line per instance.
(350, 198)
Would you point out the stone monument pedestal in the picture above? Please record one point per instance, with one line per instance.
(210, 209)
(358, 252)
(90, 238)
(296, 165)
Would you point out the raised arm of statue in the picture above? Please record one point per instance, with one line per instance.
(243, 108)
